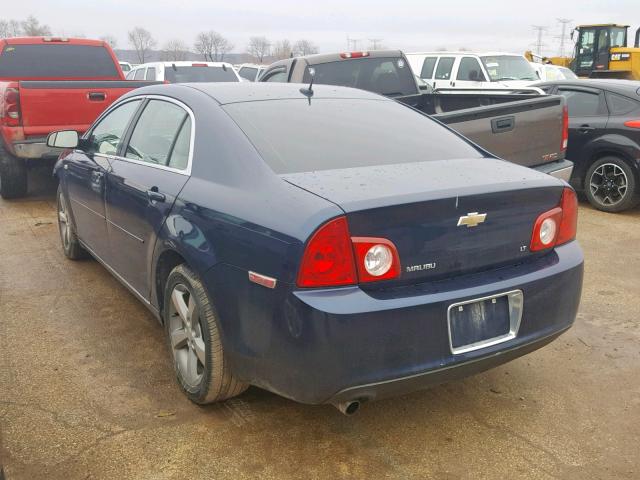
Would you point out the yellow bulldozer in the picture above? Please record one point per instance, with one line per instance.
(600, 52)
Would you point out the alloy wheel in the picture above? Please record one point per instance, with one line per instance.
(63, 222)
(608, 184)
(185, 333)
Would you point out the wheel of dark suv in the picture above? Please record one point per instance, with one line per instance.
(610, 185)
(194, 339)
(70, 243)
(13, 175)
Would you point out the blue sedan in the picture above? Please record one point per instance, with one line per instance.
(328, 245)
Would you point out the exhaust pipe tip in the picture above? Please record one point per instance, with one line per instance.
(349, 408)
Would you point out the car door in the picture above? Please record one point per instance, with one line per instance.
(469, 73)
(588, 117)
(444, 68)
(145, 178)
(85, 172)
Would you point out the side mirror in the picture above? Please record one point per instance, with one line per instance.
(63, 139)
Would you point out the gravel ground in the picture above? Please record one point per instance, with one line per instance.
(87, 391)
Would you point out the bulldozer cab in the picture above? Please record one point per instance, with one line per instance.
(593, 45)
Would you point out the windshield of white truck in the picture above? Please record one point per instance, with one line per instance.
(508, 67)
(384, 75)
(59, 61)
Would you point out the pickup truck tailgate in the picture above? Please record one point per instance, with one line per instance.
(527, 132)
(48, 105)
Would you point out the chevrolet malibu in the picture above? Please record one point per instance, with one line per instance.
(325, 243)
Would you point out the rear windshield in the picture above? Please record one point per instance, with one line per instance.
(199, 74)
(295, 136)
(56, 61)
(387, 76)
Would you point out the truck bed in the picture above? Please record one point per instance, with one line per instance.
(522, 129)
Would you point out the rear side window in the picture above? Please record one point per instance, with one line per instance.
(248, 72)
(427, 68)
(56, 61)
(155, 134)
(180, 155)
(330, 134)
(580, 103)
(443, 72)
(107, 134)
(139, 74)
(619, 105)
(470, 70)
(151, 74)
(199, 74)
(384, 75)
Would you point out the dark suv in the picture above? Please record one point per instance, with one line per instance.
(604, 139)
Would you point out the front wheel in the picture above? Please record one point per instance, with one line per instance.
(610, 185)
(70, 244)
(195, 341)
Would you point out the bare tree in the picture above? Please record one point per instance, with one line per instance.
(31, 27)
(304, 47)
(110, 39)
(212, 46)
(142, 42)
(282, 49)
(10, 28)
(259, 48)
(175, 50)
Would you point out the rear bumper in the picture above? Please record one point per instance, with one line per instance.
(331, 345)
(35, 148)
(561, 169)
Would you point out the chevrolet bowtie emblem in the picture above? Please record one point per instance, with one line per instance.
(472, 219)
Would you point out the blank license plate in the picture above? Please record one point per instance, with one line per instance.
(477, 322)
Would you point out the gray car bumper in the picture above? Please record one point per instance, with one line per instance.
(561, 169)
(35, 149)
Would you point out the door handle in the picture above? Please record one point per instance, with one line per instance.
(585, 128)
(155, 196)
(97, 96)
(503, 124)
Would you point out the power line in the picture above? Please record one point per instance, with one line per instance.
(540, 30)
(563, 35)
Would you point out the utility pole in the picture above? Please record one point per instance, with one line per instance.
(374, 43)
(540, 29)
(563, 35)
(352, 44)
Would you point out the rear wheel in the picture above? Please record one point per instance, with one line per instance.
(13, 175)
(195, 340)
(610, 185)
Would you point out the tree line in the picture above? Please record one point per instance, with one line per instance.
(212, 45)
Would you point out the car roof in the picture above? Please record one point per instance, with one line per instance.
(185, 64)
(462, 53)
(235, 92)
(613, 85)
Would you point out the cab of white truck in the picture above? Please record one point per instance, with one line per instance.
(467, 70)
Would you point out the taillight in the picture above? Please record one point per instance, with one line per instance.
(565, 128)
(632, 123)
(376, 259)
(354, 54)
(329, 259)
(199, 65)
(12, 105)
(558, 225)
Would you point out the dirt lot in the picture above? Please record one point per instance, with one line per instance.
(87, 392)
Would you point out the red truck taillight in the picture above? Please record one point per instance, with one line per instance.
(11, 116)
(565, 128)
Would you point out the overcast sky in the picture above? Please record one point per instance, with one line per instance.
(411, 25)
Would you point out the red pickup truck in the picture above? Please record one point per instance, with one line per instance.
(49, 84)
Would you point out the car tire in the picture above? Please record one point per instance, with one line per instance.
(13, 175)
(195, 342)
(70, 243)
(611, 185)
